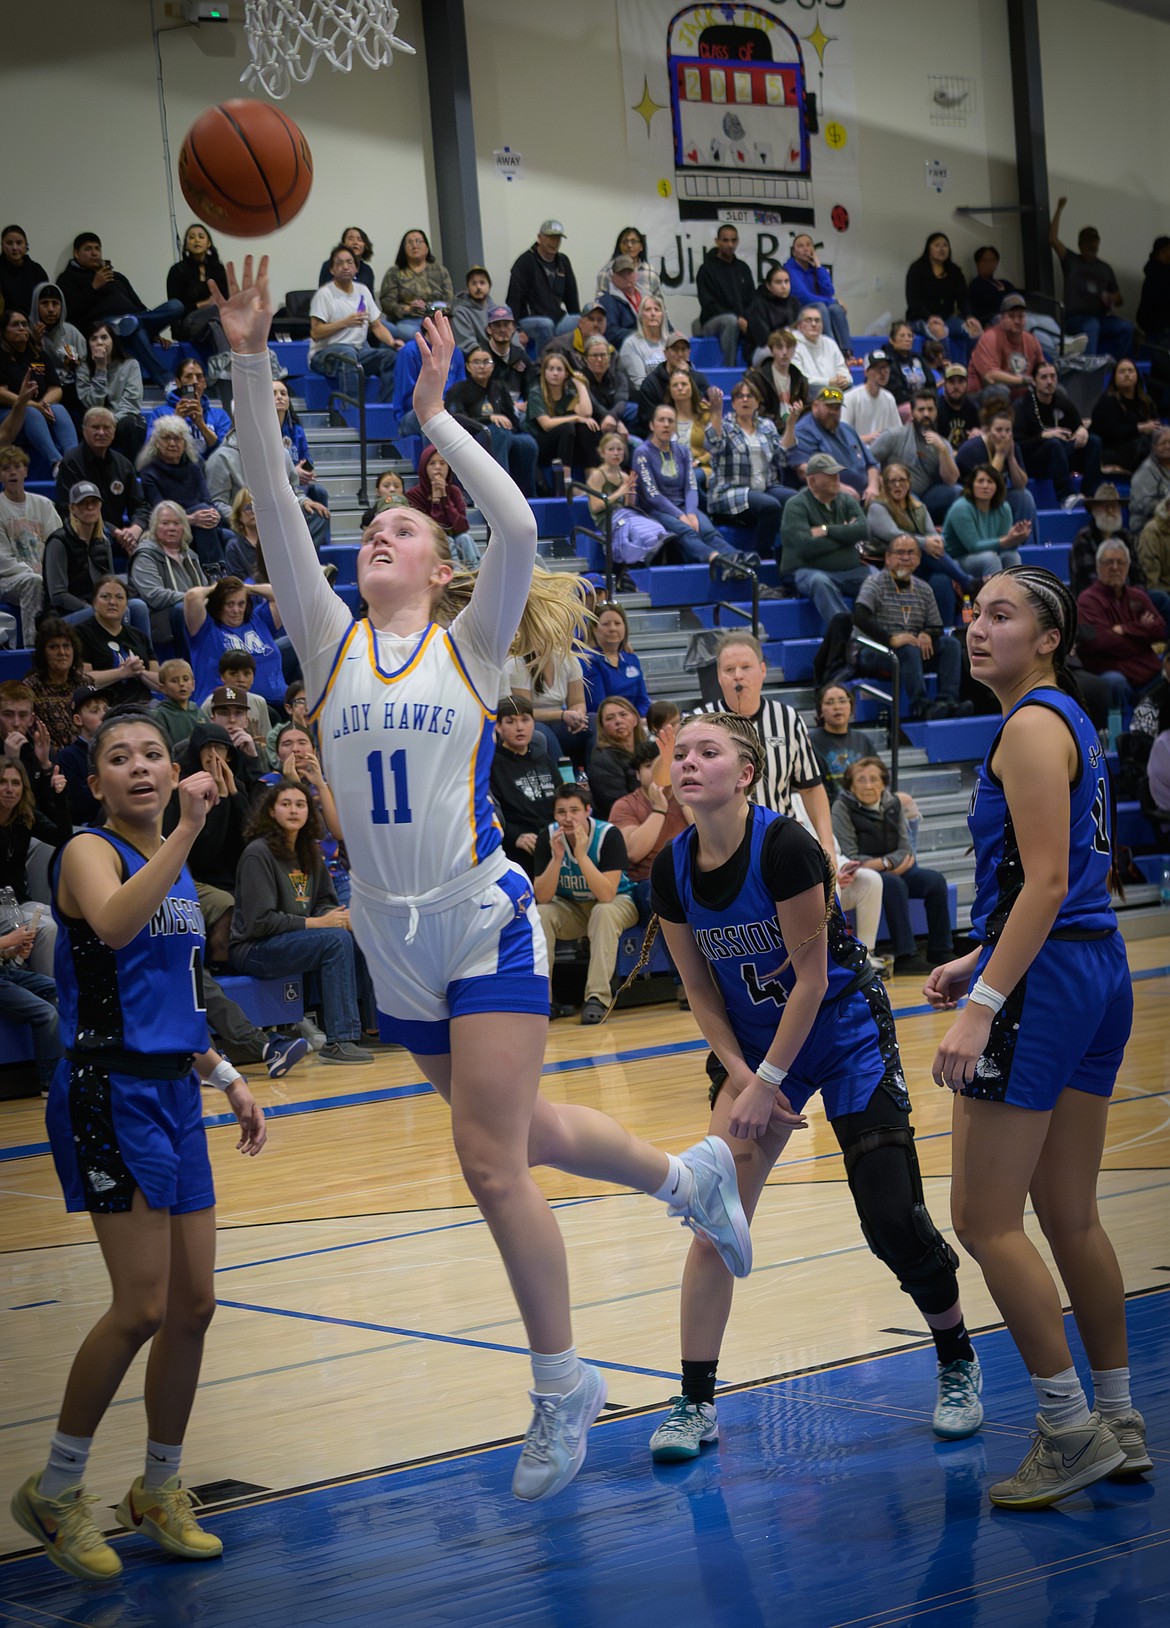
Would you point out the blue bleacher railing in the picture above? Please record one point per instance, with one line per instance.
(725, 605)
(603, 538)
(338, 417)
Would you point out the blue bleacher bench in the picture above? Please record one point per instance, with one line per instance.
(954, 740)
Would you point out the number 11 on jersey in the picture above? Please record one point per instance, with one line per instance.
(379, 812)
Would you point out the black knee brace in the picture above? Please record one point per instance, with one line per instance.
(895, 1223)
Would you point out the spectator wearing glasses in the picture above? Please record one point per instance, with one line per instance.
(818, 357)
(668, 493)
(749, 463)
(484, 397)
(919, 447)
(897, 609)
(896, 512)
(821, 430)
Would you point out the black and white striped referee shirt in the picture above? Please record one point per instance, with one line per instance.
(790, 764)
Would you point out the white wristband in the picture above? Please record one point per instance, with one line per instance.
(983, 995)
(771, 1075)
(223, 1076)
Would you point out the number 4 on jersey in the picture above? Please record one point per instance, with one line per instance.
(379, 813)
(762, 990)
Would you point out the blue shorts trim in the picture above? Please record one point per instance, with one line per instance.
(1063, 1027)
(466, 996)
(851, 1050)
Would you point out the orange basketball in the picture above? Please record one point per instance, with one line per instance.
(245, 168)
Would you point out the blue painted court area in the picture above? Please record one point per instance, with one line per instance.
(828, 1504)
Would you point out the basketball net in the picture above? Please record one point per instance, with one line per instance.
(286, 37)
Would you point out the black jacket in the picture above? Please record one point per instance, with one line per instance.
(931, 296)
(1153, 312)
(115, 478)
(216, 851)
(655, 389)
(766, 313)
(87, 304)
(723, 286)
(541, 290)
(71, 568)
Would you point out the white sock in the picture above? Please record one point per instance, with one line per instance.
(1061, 1399)
(162, 1462)
(1111, 1391)
(555, 1373)
(68, 1457)
(679, 1184)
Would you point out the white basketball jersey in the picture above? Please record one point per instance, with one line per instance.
(406, 745)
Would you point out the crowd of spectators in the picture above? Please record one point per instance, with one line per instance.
(885, 488)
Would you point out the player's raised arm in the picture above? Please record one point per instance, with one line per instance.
(314, 616)
(505, 577)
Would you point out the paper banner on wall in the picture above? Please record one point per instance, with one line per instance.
(732, 103)
(938, 174)
(509, 164)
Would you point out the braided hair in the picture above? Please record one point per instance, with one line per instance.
(1054, 606)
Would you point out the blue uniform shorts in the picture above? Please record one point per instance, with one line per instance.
(112, 1133)
(1063, 1027)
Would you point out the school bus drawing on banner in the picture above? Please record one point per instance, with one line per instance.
(739, 107)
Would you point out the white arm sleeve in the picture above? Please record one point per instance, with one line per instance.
(488, 624)
(315, 618)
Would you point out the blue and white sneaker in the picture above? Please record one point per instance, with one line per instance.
(714, 1210)
(554, 1448)
(959, 1410)
(284, 1052)
(686, 1430)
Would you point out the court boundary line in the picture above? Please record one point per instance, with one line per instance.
(566, 1065)
(278, 1495)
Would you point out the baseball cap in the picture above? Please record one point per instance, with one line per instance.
(623, 262)
(83, 694)
(82, 489)
(500, 313)
(552, 228)
(592, 305)
(226, 696)
(875, 359)
(956, 370)
(1013, 302)
(677, 338)
(821, 464)
(829, 392)
(483, 271)
(1107, 493)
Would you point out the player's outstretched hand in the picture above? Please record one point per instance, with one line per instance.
(253, 1128)
(437, 344)
(245, 313)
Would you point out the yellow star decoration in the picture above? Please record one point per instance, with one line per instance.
(647, 107)
(818, 39)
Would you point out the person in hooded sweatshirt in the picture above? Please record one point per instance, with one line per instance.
(523, 780)
(61, 342)
(439, 495)
(216, 851)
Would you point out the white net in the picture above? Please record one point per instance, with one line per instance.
(286, 37)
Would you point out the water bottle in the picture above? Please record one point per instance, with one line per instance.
(9, 910)
(1164, 887)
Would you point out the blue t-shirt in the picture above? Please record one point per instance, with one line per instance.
(603, 681)
(999, 871)
(146, 998)
(256, 635)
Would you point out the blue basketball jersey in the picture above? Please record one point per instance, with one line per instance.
(146, 998)
(999, 872)
(745, 950)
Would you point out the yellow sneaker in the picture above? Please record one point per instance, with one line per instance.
(167, 1514)
(65, 1527)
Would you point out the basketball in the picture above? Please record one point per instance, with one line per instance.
(245, 168)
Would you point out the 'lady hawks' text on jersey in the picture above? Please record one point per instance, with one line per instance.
(999, 870)
(405, 730)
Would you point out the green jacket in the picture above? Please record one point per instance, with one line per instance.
(845, 519)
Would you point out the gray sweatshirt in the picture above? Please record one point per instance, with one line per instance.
(162, 581)
(268, 902)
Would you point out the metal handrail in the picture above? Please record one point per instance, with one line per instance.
(895, 699)
(725, 605)
(360, 403)
(572, 489)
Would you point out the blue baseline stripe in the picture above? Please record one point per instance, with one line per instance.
(439, 1339)
(342, 1356)
(569, 1065)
